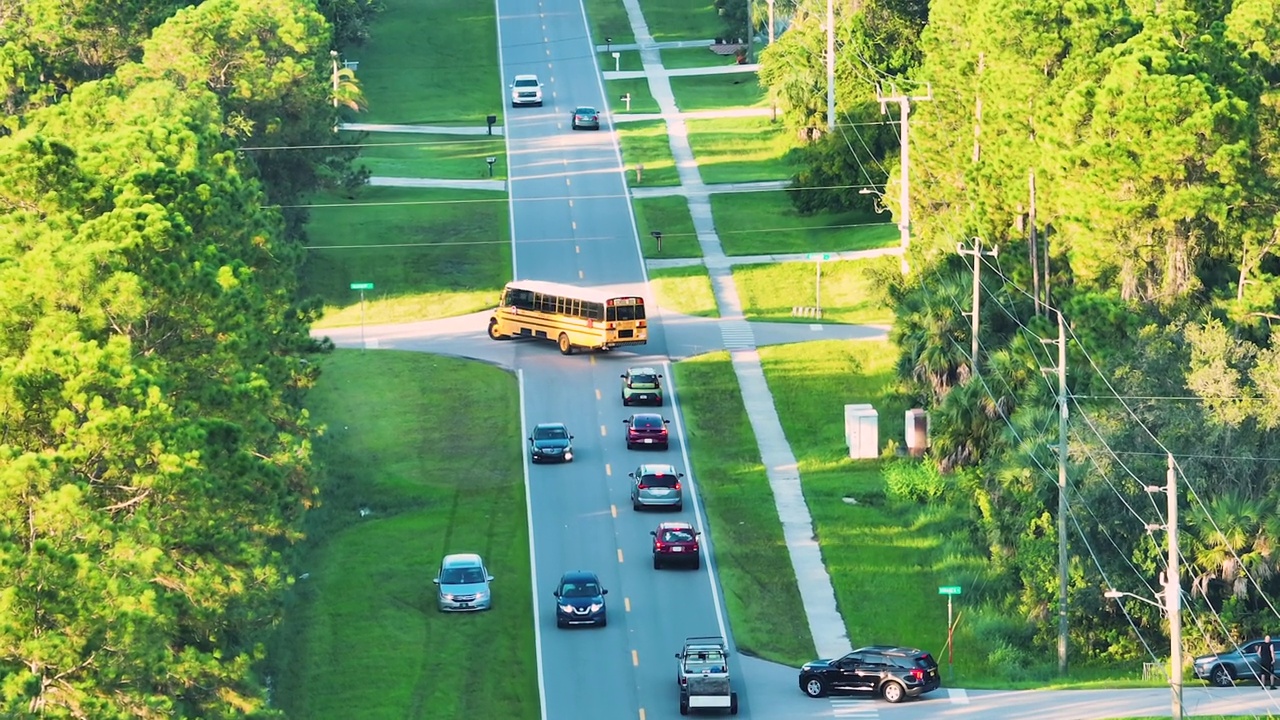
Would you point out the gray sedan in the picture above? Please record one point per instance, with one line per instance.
(586, 118)
(656, 485)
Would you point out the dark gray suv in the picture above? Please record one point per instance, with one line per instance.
(1239, 664)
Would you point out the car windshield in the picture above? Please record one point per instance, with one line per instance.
(550, 433)
(462, 576)
(527, 82)
(585, 111)
(677, 536)
(647, 423)
(663, 480)
(579, 590)
(644, 379)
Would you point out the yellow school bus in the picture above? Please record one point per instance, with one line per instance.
(572, 317)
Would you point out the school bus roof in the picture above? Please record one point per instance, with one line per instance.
(594, 293)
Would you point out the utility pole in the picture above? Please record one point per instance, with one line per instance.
(333, 56)
(831, 66)
(904, 197)
(977, 252)
(770, 22)
(1061, 370)
(1035, 242)
(977, 111)
(1173, 592)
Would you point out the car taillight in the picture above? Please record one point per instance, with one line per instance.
(657, 544)
(917, 674)
(677, 486)
(595, 117)
(642, 486)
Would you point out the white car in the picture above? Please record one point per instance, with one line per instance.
(526, 90)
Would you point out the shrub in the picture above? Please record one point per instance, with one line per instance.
(915, 481)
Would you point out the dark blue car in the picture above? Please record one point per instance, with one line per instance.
(580, 600)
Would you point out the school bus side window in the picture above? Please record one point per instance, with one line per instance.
(593, 310)
(522, 299)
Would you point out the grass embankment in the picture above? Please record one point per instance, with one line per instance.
(645, 143)
(412, 45)
(362, 636)
(682, 19)
(641, 99)
(670, 216)
(608, 19)
(741, 149)
(429, 253)
(695, 58)
(761, 223)
(627, 60)
(848, 293)
(755, 570)
(430, 156)
(685, 289)
(718, 91)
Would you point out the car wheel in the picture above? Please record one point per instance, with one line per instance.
(679, 506)
(560, 623)
(494, 333)
(814, 687)
(893, 692)
(657, 564)
(565, 347)
(697, 563)
(630, 446)
(604, 621)
(666, 446)
(659, 402)
(625, 401)
(635, 506)
(733, 703)
(684, 704)
(1221, 677)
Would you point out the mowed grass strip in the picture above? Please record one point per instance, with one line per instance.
(848, 293)
(676, 58)
(645, 143)
(685, 289)
(670, 216)
(608, 19)
(762, 223)
(741, 149)
(429, 253)
(760, 591)
(362, 637)
(413, 44)
(718, 91)
(641, 99)
(626, 60)
(408, 155)
(682, 19)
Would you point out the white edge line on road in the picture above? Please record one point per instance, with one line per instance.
(697, 506)
(533, 560)
(613, 136)
(506, 146)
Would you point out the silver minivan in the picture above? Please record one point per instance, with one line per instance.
(463, 583)
(656, 485)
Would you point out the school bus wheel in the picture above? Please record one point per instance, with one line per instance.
(565, 347)
(494, 333)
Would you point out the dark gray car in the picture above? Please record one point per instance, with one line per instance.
(1238, 664)
(550, 442)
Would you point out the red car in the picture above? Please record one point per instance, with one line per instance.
(675, 542)
(647, 430)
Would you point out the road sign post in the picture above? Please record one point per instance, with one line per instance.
(817, 279)
(362, 286)
(950, 591)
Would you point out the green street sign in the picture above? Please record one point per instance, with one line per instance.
(949, 590)
(361, 286)
(818, 256)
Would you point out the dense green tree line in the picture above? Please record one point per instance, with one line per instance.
(154, 455)
(1148, 132)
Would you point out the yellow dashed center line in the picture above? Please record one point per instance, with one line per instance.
(619, 554)
(641, 713)
(608, 470)
(574, 224)
(597, 393)
(578, 249)
(626, 604)
(635, 658)
(566, 181)
(604, 430)
(613, 510)
(570, 203)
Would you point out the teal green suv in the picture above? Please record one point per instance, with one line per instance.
(641, 386)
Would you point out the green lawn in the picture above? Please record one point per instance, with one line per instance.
(608, 18)
(361, 636)
(646, 143)
(430, 156)
(455, 255)
(413, 46)
(759, 223)
(717, 92)
(670, 216)
(627, 60)
(759, 584)
(849, 295)
(694, 57)
(641, 99)
(745, 149)
(682, 19)
(685, 289)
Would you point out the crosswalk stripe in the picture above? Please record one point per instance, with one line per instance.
(737, 335)
(854, 708)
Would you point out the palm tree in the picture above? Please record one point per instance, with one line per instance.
(1229, 544)
(344, 87)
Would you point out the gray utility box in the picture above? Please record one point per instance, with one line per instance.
(862, 431)
(917, 426)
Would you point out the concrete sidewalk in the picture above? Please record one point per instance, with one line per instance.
(422, 129)
(770, 259)
(623, 117)
(498, 185)
(816, 592)
(691, 192)
(651, 70)
(671, 45)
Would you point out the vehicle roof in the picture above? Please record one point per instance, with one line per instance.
(891, 650)
(593, 293)
(656, 469)
(648, 416)
(642, 371)
(526, 76)
(549, 425)
(462, 560)
(577, 576)
(675, 525)
(588, 108)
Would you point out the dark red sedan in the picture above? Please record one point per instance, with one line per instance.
(675, 542)
(647, 430)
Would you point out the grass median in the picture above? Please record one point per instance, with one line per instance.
(762, 223)
(408, 155)
(413, 44)
(685, 289)
(676, 58)
(849, 294)
(741, 149)
(670, 20)
(759, 584)
(670, 216)
(429, 253)
(362, 636)
(641, 99)
(608, 19)
(645, 143)
(718, 91)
